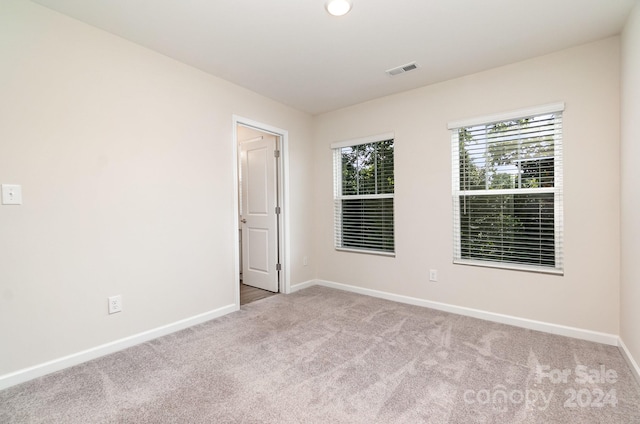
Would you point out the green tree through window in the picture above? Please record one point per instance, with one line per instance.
(506, 192)
(364, 196)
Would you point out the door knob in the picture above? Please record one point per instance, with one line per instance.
(244, 221)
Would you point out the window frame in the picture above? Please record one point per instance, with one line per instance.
(557, 190)
(338, 196)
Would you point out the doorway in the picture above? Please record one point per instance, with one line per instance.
(261, 224)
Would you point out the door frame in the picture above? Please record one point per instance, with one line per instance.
(283, 192)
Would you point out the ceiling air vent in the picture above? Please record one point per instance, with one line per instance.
(402, 69)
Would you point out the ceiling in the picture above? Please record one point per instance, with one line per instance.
(294, 52)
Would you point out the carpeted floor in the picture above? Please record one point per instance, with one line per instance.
(327, 356)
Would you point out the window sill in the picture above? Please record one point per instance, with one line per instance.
(367, 252)
(511, 267)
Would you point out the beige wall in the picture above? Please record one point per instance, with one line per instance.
(587, 296)
(630, 287)
(126, 162)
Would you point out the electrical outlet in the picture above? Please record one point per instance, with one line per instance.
(115, 304)
(11, 194)
(433, 275)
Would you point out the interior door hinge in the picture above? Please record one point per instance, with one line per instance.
(278, 267)
(278, 210)
(276, 153)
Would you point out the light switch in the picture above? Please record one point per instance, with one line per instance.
(11, 194)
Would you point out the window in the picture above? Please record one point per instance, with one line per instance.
(507, 190)
(363, 195)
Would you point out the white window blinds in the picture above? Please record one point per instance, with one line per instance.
(507, 191)
(363, 196)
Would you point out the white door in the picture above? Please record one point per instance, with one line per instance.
(258, 216)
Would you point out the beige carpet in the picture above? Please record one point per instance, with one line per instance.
(326, 356)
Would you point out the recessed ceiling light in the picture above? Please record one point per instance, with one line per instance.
(339, 7)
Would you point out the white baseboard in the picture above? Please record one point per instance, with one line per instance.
(632, 363)
(294, 288)
(561, 330)
(40, 370)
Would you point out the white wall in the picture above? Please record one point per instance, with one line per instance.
(126, 164)
(587, 296)
(630, 282)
